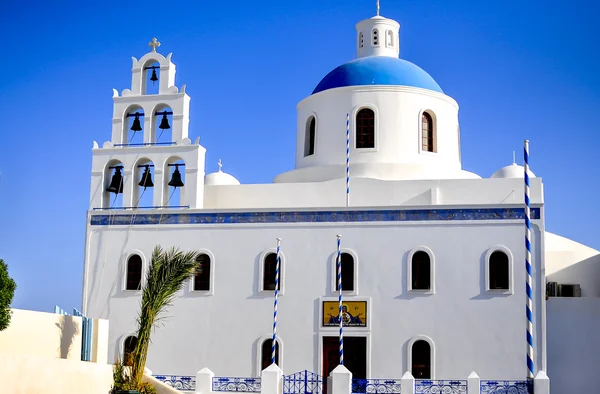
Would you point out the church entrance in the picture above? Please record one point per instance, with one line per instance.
(355, 356)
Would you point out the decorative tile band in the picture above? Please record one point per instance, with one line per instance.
(186, 383)
(390, 215)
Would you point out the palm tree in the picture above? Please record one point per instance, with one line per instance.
(168, 272)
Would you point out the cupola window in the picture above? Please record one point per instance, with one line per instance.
(365, 128)
(347, 273)
(128, 348)
(134, 273)
(309, 137)
(421, 271)
(499, 271)
(421, 360)
(427, 132)
(389, 39)
(267, 353)
(361, 40)
(375, 37)
(202, 277)
(270, 266)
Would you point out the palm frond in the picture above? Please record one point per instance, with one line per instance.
(168, 272)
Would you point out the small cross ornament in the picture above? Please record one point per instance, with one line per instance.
(154, 44)
(220, 165)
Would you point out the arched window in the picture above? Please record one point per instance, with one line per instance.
(134, 273)
(427, 132)
(347, 273)
(389, 39)
(309, 137)
(270, 265)
(365, 128)
(128, 348)
(267, 353)
(202, 277)
(421, 271)
(375, 37)
(499, 271)
(361, 40)
(421, 360)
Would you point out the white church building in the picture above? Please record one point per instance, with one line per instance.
(434, 279)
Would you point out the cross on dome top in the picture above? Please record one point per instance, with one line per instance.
(220, 165)
(377, 7)
(154, 44)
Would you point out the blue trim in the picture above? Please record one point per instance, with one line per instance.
(389, 215)
(378, 70)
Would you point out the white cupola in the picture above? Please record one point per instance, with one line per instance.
(220, 178)
(378, 36)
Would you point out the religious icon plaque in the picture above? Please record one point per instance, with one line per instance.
(354, 313)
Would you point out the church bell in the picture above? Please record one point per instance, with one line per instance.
(154, 77)
(116, 184)
(136, 123)
(164, 123)
(146, 179)
(176, 178)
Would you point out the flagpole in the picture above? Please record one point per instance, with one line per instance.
(529, 284)
(274, 343)
(347, 160)
(339, 282)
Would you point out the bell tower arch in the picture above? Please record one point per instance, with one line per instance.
(161, 118)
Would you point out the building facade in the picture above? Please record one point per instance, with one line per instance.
(432, 256)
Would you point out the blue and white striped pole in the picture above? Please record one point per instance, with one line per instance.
(339, 282)
(530, 366)
(347, 160)
(274, 343)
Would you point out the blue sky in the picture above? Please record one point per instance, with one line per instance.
(519, 70)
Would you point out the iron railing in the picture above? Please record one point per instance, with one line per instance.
(186, 383)
(303, 382)
(506, 386)
(244, 385)
(440, 386)
(376, 386)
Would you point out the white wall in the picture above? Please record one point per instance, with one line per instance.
(573, 344)
(471, 329)
(374, 193)
(25, 374)
(42, 334)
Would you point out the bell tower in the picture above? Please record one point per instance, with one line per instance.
(149, 162)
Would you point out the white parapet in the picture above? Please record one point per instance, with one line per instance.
(204, 379)
(339, 381)
(407, 383)
(271, 380)
(541, 383)
(473, 383)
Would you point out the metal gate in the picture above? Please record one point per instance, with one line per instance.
(303, 382)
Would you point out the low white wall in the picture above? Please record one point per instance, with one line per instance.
(42, 334)
(573, 344)
(26, 374)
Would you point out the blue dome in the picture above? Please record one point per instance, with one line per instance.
(378, 70)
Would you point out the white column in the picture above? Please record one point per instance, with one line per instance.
(339, 381)
(407, 383)
(99, 341)
(541, 383)
(204, 379)
(473, 383)
(271, 379)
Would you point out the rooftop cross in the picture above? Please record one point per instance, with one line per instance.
(154, 44)
(220, 165)
(377, 7)
(514, 158)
